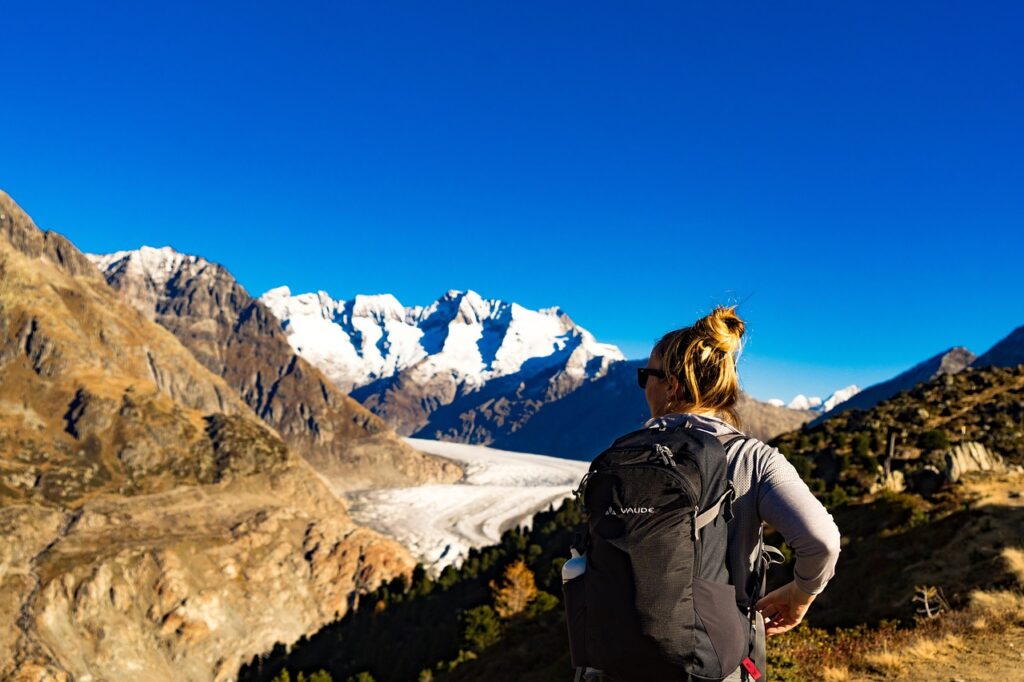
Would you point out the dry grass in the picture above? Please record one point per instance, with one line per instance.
(892, 652)
(885, 662)
(928, 649)
(1014, 558)
(966, 638)
(830, 674)
(1005, 606)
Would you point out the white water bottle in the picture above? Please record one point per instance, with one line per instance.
(574, 567)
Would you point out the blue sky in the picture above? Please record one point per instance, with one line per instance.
(851, 173)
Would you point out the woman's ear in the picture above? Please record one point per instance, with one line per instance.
(674, 387)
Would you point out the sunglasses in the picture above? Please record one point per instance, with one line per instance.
(643, 372)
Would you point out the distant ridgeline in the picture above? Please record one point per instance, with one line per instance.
(455, 628)
(847, 455)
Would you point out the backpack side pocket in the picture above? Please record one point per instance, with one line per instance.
(575, 599)
(723, 639)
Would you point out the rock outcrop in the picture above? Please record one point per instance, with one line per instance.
(968, 457)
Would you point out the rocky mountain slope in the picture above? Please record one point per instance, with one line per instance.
(848, 451)
(1006, 353)
(239, 339)
(151, 527)
(948, 362)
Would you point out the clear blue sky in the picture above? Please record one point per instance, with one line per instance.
(852, 172)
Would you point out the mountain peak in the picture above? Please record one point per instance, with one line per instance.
(158, 264)
(949, 361)
(26, 237)
(282, 291)
(802, 402)
(379, 307)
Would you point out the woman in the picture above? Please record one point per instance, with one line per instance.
(691, 380)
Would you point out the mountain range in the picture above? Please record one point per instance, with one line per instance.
(947, 362)
(463, 368)
(470, 369)
(815, 403)
(236, 337)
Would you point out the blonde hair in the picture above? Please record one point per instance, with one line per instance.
(703, 358)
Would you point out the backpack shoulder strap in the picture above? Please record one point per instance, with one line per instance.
(738, 437)
(711, 513)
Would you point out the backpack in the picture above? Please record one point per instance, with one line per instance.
(655, 601)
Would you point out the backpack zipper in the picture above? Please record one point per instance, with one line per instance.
(687, 486)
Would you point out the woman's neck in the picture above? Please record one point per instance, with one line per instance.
(699, 413)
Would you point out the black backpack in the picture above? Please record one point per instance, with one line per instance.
(655, 601)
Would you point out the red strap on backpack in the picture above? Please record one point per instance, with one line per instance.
(751, 669)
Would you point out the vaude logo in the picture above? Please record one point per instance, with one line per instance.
(630, 510)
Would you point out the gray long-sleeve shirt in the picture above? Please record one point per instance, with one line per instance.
(769, 489)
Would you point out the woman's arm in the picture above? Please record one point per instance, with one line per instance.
(787, 504)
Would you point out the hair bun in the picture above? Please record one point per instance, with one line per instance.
(722, 329)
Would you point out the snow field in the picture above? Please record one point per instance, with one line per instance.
(440, 523)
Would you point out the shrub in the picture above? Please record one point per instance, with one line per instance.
(541, 604)
(933, 440)
(480, 628)
(861, 445)
(838, 497)
(361, 677)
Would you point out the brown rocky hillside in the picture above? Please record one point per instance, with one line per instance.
(151, 527)
(984, 406)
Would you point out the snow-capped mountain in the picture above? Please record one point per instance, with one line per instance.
(145, 272)
(815, 403)
(462, 368)
(802, 402)
(157, 264)
(840, 396)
